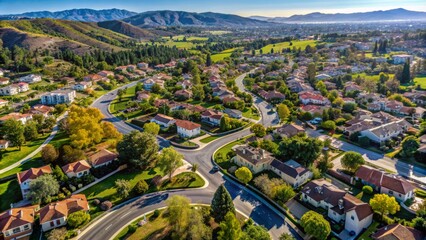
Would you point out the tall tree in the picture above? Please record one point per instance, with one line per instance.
(198, 230)
(315, 225)
(170, 160)
(151, 128)
(123, 187)
(312, 72)
(229, 228)
(405, 75)
(409, 145)
(221, 204)
(384, 204)
(258, 129)
(179, 212)
(49, 153)
(253, 231)
(138, 149)
(42, 188)
(208, 60)
(352, 161)
(13, 130)
(283, 111)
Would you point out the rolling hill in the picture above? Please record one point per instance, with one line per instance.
(85, 15)
(180, 18)
(53, 34)
(126, 29)
(399, 14)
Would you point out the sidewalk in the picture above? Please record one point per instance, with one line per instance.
(35, 152)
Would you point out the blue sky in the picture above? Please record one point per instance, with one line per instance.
(240, 7)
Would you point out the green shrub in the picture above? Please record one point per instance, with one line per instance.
(141, 187)
(156, 214)
(132, 228)
(78, 218)
(367, 189)
(420, 193)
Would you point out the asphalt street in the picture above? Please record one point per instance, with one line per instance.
(246, 201)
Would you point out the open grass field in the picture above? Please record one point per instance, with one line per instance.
(13, 154)
(117, 105)
(370, 77)
(60, 139)
(222, 55)
(106, 189)
(283, 45)
(249, 113)
(420, 80)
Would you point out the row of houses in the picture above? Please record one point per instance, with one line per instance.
(378, 127)
(18, 223)
(75, 169)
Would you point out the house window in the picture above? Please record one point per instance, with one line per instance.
(26, 227)
(352, 217)
(52, 223)
(390, 192)
(399, 195)
(16, 230)
(58, 221)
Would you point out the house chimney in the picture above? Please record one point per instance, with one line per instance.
(340, 203)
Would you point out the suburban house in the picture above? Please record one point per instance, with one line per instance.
(102, 158)
(188, 129)
(392, 185)
(3, 102)
(17, 223)
(341, 207)
(163, 120)
(291, 171)
(55, 214)
(76, 169)
(402, 58)
(83, 85)
(106, 74)
(384, 132)
(41, 109)
(183, 94)
(58, 97)
(289, 130)
(211, 117)
(255, 159)
(14, 89)
(143, 65)
(313, 98)
(4, 81)
(397, 231)
(93, 78)
(25, 177)
(22, 117)
(185, 84)
(272, 96)
(233, 113)
(4, 144)
(32, 78)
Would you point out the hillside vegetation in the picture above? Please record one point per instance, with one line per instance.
(53, 34)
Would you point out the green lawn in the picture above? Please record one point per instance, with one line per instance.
(284, 45)
(60, 139)
(10, 193)
(117, 105)
(249, 113)
(370, 77)
(420, 80)
(370, 230)
(13, 154)
(106, 189)
(184, 180)
(222, 55)
(228, 147)
(209, 139)
(147, 231)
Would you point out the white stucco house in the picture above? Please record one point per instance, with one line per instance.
(188, 129)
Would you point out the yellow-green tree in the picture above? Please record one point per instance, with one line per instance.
(244, 174)
(384, 204)
(151, 128)
(283, 111)
(230, 228)
(179, 211)
(170, 160)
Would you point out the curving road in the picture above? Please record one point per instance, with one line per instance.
(246, 201)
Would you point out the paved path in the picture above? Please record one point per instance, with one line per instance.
(35, 152)
(246, 201)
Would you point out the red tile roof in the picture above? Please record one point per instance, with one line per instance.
(188, 125)
(76, 167)
(101, 157)
(33, 173)
(397, 231)
(63, 208)
(397, 184)
(16, 217)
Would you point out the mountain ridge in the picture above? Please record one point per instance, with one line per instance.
(398, 14)
(82, 14)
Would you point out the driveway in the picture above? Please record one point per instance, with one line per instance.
(296, 208)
